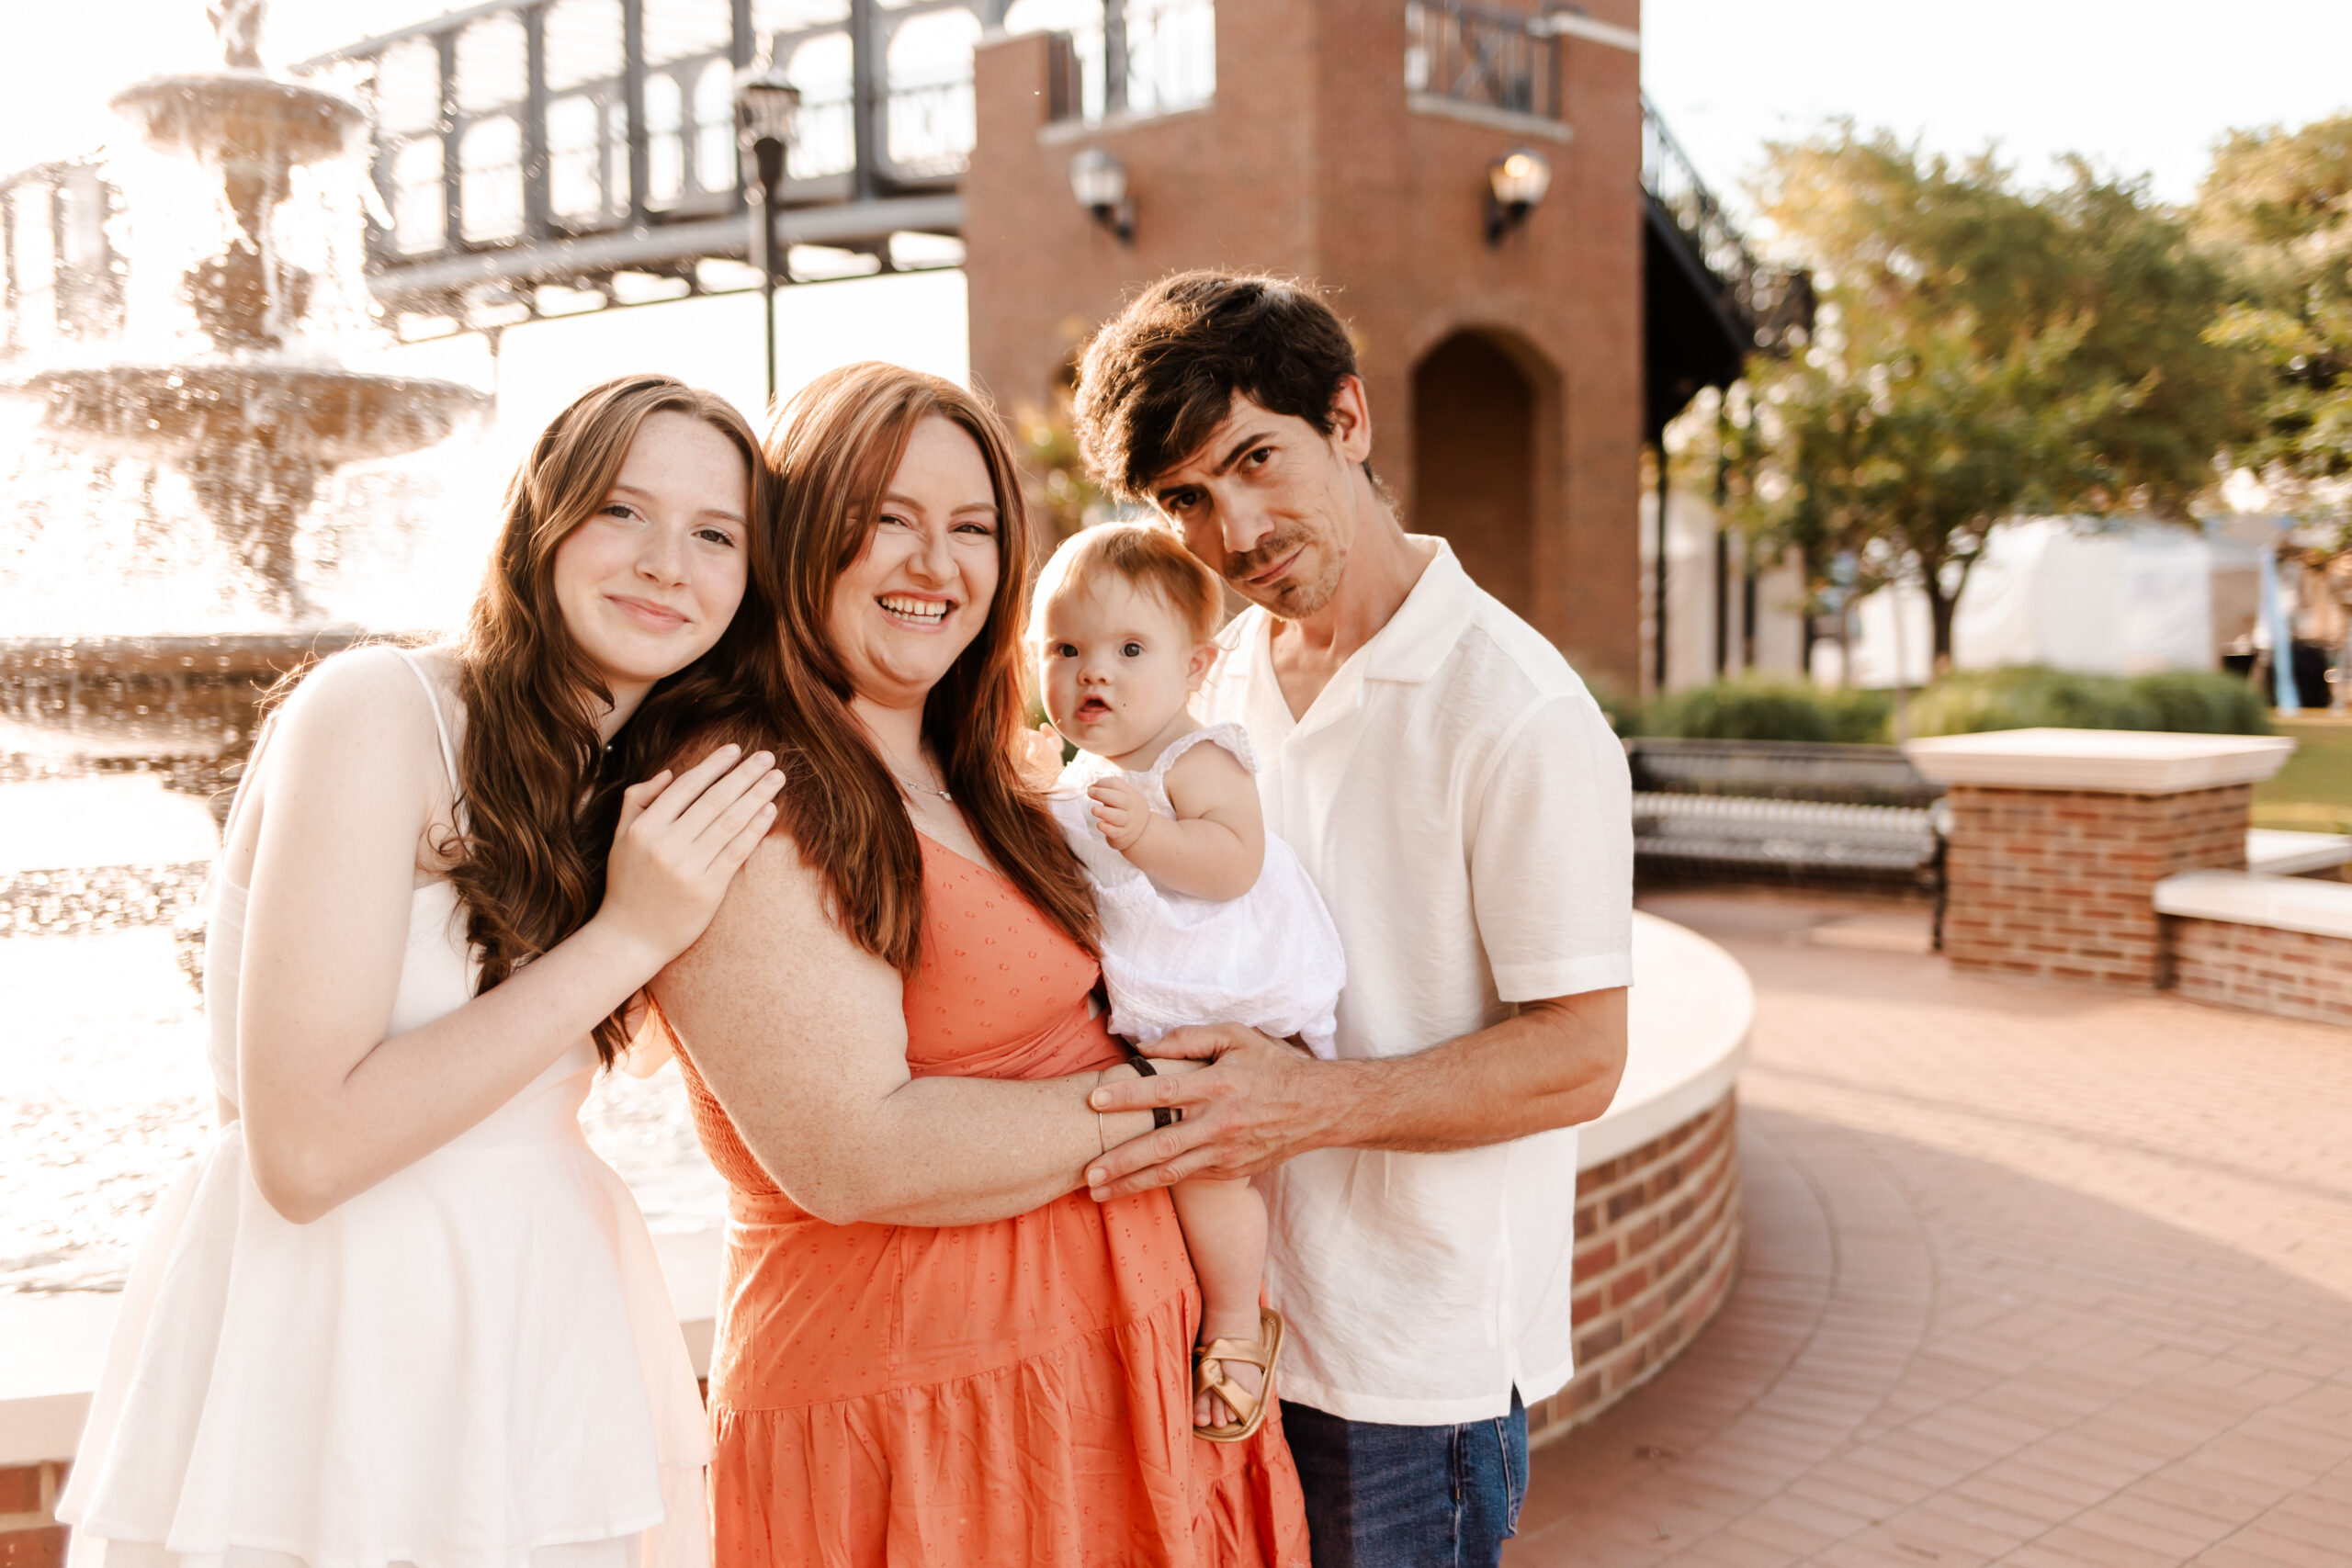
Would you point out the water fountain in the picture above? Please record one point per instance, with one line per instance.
(254, 421)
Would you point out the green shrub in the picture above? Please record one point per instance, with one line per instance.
(2029, 696)
(2203, 702)
(1857, 717)
(1751, 708)
(1764, 708)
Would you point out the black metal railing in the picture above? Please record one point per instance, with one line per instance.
(1144, 57)
(526, 142)
(1773, 304)
(59, 278)
(1484, 57)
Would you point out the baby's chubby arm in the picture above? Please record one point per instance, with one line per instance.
(1213, 847)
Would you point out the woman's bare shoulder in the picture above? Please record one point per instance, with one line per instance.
(774, 912)
(773, 958)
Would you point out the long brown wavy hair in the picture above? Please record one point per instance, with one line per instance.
(540, 794)
(834, 450)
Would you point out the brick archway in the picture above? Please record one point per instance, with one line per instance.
(1475, 449)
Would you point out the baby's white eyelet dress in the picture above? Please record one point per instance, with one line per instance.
(1270, 959)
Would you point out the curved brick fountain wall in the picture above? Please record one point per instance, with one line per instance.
(1657, 1250)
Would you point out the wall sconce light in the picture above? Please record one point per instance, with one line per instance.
(1099, 182)
(1515, 183)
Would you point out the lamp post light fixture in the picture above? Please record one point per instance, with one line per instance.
(1515, 183)
(1099, 182)
(765, 105)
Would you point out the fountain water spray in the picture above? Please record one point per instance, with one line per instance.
(255, 421)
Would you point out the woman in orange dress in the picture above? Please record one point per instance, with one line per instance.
(933, 1347)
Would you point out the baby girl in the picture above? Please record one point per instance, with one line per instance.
(1205, 918)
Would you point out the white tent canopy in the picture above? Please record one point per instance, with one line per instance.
(2112, 597)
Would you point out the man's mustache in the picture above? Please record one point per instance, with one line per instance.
(1239, 568)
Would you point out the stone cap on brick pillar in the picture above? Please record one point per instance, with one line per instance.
(2246, 898)
(2114, 761)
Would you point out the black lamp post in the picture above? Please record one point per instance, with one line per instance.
(764, 106)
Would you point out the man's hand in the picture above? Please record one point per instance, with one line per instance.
(1123, 814)
(1555, 1063)
(1256, 1104)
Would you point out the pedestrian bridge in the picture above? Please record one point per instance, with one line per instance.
(528, 151)
(533, 158)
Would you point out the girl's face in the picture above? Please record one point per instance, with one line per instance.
(1116, 664)
(649, 582)
(920, 592)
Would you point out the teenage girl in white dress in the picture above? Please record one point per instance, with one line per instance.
(399, 1313)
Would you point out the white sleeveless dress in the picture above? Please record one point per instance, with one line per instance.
(472, 1364)
(1270, 959)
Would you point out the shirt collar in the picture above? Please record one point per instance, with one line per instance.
(1427, 624)
(1417, 637)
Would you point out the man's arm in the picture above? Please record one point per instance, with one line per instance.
(1261, 1102)
(1551, 876)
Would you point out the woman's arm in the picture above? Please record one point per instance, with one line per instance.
(802, 1036)
(332, 1106)
(1214, 845)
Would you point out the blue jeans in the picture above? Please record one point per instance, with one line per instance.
(1382, 1496)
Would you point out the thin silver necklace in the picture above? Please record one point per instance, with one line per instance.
(906, 783)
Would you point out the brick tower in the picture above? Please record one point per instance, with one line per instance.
(1349, 142)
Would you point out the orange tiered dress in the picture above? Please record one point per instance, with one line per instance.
(1000, 1394)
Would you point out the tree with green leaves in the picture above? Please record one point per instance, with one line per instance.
(1983, 351)
(2282, 202)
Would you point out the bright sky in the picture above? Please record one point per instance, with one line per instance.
(2145, 86)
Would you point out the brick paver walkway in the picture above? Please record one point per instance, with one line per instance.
(2033, 1276)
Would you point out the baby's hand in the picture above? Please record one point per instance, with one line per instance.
(1121, 812)
(1037, 756)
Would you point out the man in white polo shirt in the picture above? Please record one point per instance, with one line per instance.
(1461, 803)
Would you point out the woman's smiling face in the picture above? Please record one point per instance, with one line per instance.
(920, 591)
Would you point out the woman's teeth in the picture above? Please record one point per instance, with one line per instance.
(933, 610)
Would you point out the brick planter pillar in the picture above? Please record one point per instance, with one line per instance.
(2059, 837)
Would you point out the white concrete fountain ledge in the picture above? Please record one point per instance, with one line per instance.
(1691, 1007)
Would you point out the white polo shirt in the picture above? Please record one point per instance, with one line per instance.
(1462, 806)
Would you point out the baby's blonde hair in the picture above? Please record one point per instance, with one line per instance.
(1145, 558)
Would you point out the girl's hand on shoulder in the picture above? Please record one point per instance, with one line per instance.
(1121, 810)
(680, 841)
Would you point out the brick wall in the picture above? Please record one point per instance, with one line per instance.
(1658, 1249)
(2056, 883)
(2291, 974)
(31, 1536)
(1311, 163)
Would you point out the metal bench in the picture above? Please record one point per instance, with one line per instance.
(1786, 809)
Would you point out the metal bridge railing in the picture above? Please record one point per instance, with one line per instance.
(522, 141)
(1478, 55)
(1773, 303)
(59, 283)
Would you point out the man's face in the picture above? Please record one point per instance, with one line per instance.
(1269, 501)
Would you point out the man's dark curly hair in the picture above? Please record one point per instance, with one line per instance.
(1161, 374)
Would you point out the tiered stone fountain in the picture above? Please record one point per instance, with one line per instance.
(253, 423)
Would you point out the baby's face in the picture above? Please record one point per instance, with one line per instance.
(1115, 664)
